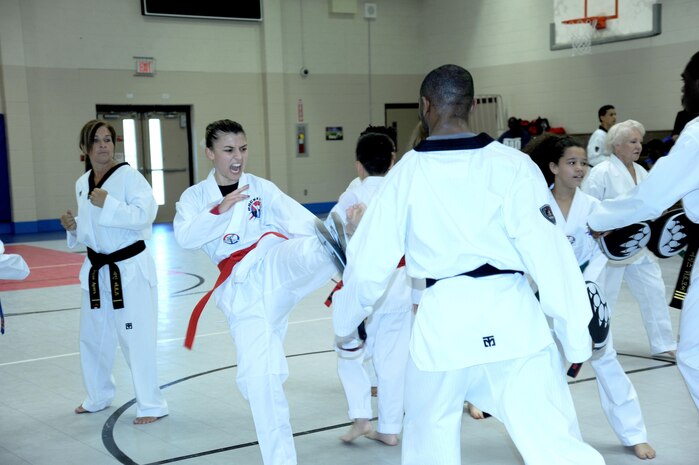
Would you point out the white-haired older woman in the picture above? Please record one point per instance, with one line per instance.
(612, 178)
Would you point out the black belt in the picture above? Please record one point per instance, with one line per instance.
(480, 272)
(682, 285)
(98, 260)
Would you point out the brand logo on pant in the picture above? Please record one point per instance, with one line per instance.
(129, 326)
(489, 341)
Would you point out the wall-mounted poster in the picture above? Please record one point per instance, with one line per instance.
(333, 133)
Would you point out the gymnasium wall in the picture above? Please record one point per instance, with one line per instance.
(59, 58)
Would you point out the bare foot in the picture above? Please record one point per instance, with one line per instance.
(475, 412)
(360, 427)
(80, 409)
(669, 355)
(644, 451)
(146, 420)
(388, 439)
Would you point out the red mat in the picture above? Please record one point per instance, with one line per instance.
(47, 268)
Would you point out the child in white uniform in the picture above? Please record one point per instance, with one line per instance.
(387, 328)
(563, 162)
(612, 178)
(265, 244)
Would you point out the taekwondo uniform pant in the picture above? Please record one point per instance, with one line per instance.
(134, 328)
(646, 283)
(258, 314)
(688, 347)
(388, 337)
(518, 392)
(618, 396)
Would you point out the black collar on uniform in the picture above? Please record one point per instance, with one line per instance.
(465, 143)
(91, 178)
(600, 126)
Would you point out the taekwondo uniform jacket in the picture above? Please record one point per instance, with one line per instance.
(266, 209)
(597, 147)
(674, 177)
(398, 296)
(585, 247)
(450, 206)
(126, 217)
(12, 266)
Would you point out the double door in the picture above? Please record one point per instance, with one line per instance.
(156, 141)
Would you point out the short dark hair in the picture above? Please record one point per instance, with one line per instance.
(388, 130)
(549, 148)
(603, 110)
(222, 126)
(449, 86)
(375, 153)
(693, 66)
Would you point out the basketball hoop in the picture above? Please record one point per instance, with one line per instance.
(581, 32)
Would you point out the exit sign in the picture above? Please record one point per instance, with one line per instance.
(145, 66)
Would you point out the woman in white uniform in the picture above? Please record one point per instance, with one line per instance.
(674, 177)
(610, 179)
(563, 162)
(116, 210)
(265, 245)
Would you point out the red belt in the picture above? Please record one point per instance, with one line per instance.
(225, 267)
(339, 284)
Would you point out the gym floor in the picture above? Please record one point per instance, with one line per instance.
(210, 423)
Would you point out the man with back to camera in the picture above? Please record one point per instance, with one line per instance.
(480, 333)
(673, 177)
(596, 150)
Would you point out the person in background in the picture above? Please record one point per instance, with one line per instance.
(515, 136)
(613, 178)
(387, 328)
(674, 177)
(116, 210)
(597, 151)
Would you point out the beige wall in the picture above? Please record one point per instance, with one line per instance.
(60, 58)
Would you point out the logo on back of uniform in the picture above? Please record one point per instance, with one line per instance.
(255, 208)
(231, 239)
(548, 213)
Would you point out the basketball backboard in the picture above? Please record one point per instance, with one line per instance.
(617, 20)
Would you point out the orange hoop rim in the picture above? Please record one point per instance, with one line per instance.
(601, 21)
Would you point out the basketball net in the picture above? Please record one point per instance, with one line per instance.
(581, 36)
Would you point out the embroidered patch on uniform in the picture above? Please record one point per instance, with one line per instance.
(231, 239)
(129, 326)
(571, 239)
(489, 341)
(255, 207)
(548, 213)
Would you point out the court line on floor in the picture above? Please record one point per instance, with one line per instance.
(117, 453)
(160, 341)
